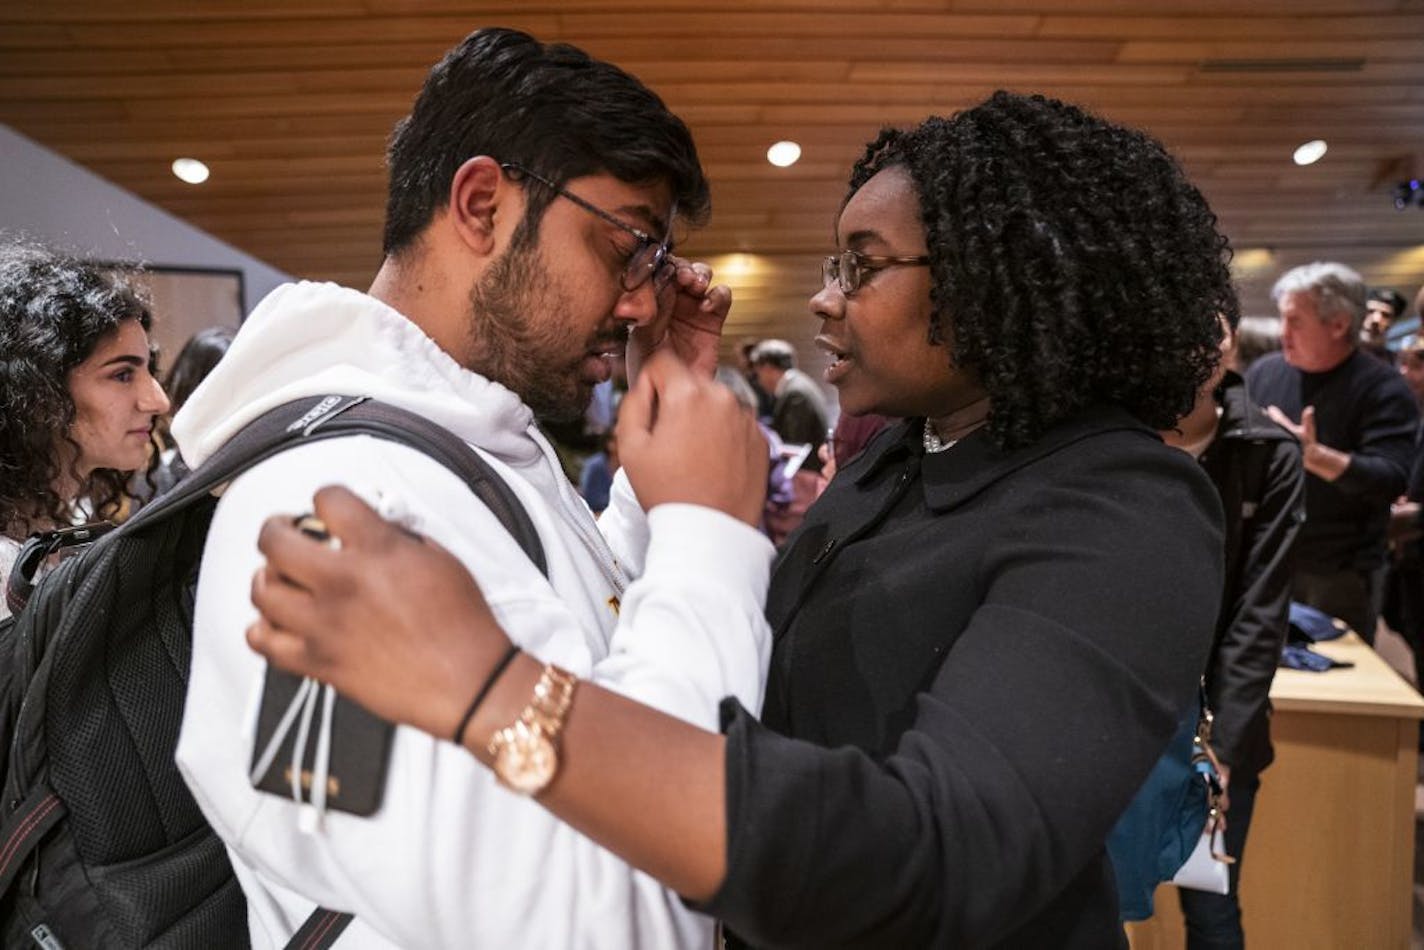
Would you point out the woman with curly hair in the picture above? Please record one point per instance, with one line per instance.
(77, 398)
(986, 628)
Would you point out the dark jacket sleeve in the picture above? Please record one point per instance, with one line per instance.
(1415, 491)
(1255, 623)
(1100, 592)
(1379, 464)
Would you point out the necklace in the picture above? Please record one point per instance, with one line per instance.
(933, 443)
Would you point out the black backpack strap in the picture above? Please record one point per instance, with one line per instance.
(320, 930)
(328, 417)
(24, 828)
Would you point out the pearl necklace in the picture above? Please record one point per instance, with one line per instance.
(933, 443)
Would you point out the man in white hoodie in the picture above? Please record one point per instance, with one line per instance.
(533, 191)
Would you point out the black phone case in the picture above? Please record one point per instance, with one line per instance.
(360, 750)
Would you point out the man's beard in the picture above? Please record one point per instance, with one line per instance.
(517, 336)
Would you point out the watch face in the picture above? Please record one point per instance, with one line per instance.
(526, 760)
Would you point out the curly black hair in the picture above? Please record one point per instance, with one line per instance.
(54, 310)
(1072, 261)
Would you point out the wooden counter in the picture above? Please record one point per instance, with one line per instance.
(1330, 857)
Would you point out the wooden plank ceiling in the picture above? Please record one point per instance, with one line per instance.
(290, 101)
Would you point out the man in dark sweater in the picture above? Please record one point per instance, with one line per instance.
(799, 414)
(1355, 419)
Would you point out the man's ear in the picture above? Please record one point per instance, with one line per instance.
(1340, 327)
(479, 194)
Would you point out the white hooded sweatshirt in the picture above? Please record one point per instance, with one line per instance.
(451, 858)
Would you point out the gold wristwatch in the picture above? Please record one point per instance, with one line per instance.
(526, 753)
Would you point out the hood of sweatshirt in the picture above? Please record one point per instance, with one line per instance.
(310, 339)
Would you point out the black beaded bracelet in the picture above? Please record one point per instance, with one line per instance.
(499, 668)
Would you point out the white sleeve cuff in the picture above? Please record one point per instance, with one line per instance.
(709, 544)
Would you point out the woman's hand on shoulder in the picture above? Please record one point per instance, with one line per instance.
(387, 617)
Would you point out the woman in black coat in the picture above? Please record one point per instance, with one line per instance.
(987, 626)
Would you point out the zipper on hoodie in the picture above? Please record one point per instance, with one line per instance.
(582, 519)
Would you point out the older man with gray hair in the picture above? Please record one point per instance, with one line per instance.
(799, 413)
(1355, 419)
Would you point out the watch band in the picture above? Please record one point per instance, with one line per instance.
(553, 695)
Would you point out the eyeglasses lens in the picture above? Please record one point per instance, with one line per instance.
(649, 260)
(841, 269)
(844, 269)
(850, 273)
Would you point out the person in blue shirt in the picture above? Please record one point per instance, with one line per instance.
(596, 478)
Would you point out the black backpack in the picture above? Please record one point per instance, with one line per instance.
(101, 844)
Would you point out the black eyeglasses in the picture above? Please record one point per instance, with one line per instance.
(848, 268)
(648, 260)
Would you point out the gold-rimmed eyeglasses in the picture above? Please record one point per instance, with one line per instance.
(848, 268)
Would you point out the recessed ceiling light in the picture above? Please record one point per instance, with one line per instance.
(783, 154)
(1311, 152)
(740, 264)
(190, 170)
(1250, 259)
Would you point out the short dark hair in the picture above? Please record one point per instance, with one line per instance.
(550, 108)
(195, 361)
(1388, 295)
(1072, 261)
(54, 310)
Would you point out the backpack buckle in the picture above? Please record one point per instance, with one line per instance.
(38, 548)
